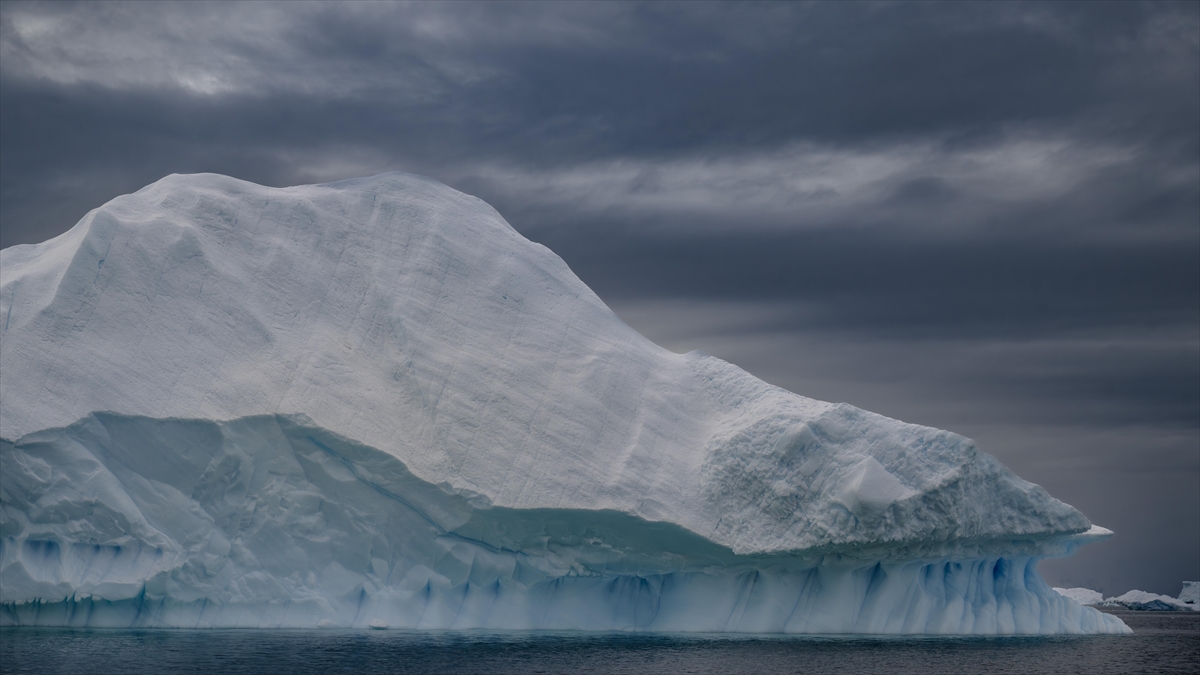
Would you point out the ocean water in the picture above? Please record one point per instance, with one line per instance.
(1165, 642)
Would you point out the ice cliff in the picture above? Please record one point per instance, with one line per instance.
(374, 403)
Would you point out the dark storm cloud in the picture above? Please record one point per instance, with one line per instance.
(546, 86)
(980, 216)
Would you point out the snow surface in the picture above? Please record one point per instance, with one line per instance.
(500, 449)
(1084, 596)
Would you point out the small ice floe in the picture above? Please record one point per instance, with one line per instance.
(378, 624)
(325, 623)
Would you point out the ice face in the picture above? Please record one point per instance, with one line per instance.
(412, 319)
(270, 521)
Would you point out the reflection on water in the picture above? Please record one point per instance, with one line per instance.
(1163, 643)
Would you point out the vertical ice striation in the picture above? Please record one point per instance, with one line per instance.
(374, 401)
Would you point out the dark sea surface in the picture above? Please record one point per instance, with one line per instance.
(1165, 642)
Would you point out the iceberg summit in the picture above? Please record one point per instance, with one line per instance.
(374, 403)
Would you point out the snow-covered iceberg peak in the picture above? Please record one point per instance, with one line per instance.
(412, 319)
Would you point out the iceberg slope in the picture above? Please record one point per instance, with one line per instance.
(411, 318)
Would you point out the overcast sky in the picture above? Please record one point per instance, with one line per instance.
(981, 217)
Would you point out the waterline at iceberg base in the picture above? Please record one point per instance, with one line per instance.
(373, 402)
(952, 597)
(269, 521)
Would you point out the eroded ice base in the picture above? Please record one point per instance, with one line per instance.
(270, 522)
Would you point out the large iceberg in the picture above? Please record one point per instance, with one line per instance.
(374, 403)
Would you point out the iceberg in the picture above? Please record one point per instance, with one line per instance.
(1148, 602)
(1190, 595)
(1084, 596)
(373, 403)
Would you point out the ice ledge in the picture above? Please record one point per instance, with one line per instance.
(268, 521)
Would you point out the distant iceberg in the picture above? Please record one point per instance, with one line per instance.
(1136, 600)
(1084, 596)
(373, 403)
(1143, 601)
(1190, 595)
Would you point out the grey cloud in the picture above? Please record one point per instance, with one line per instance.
(661, 78)
(897, 286)
(1109, 377)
